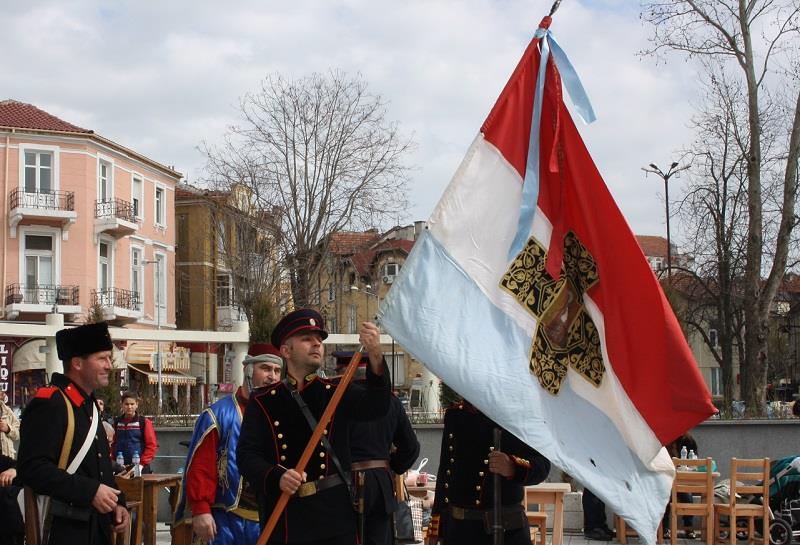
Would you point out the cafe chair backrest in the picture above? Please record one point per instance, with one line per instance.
(749, 477)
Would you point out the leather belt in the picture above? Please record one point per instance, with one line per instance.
(309, 489)
(463, 513)
(369, 464)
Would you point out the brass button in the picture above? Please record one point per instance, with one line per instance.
(322, 455)
(451, 447)
(491, 449)
(322, 466)
(280, 436)
(284, 447)
(321, 477)
(478, 488)
(283, 458)
(272, 392)
(477, 502)
(480, 474)
(99, 455)
(447, 500)
(327, 386)
(450, 436)
(486, 462)
(446, 485)
(325, 432)
(448, 472)
(276, 423)
(452, 461)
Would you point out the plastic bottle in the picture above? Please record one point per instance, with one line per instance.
(692, 455)
(137, 470)
(120, 459)
(683, 452)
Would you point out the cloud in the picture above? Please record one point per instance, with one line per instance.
(160, 77)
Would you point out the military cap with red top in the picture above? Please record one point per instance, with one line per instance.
(298, 321)
(263, 352)
(83, 340)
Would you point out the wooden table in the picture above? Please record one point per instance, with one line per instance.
(152, 484)
(552, 494)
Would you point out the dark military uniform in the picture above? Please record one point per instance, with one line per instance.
(42, 433)
(370, 446)
(273, 437)
(462, 510)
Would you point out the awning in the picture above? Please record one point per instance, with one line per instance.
(144, 353)
(167, 377)
(28, 357)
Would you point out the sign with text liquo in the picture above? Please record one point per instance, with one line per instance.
(6, 376)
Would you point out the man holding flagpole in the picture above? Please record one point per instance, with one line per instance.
(279, 421)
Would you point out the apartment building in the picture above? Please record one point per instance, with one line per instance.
(88, 228)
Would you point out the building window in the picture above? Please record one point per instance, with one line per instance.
(137, 197)
(104, 181)
(713, 338)
(390, 270)
(658, 263)
(331, 292)
(136, 273)
(161, 287)
(224, 290)
(716, 381)
(38, 263)
(332, 325)
(352, 319)
(161, 214)
(38, 171)
(104, 277)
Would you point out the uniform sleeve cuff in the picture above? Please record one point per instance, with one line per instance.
(200, 508)
(522, 468)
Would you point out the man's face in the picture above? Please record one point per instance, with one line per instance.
(305, 349)
(265, 373)
(129, 406)
(93, 370)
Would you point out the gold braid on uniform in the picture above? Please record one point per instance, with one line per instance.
(522, 462)
(222, 469)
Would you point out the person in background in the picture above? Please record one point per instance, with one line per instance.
(674, 449)
(220, 506)
(9, 428)
(12, 529)
(134, 433)
(380, 448)
(101, 408)
(595, 525)
(464, 484)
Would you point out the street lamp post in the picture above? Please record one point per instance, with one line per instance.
(673, 169)
(158, 327)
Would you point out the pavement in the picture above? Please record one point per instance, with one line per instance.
(163, 538)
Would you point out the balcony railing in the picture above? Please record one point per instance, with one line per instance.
(117, 297)
(42, 294)
(115, 208)
(43, 200)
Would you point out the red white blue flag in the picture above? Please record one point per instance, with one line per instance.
(529, 295)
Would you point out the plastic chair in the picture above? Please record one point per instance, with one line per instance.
(693, 477)
(134, 492)
(749, 477)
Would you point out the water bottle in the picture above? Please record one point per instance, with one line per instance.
(120, 459)
(683, 452)
(137, 470)
(692, 455)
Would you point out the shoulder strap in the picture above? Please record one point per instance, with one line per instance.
(312, 423)
(87, 443)
(69, 436)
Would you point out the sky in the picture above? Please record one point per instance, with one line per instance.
(161, 77)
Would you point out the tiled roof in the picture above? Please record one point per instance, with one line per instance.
(363, 260)
(348, 242)
(27, 116)
(653, 246)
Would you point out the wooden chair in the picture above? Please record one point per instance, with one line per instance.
(134, 493)
(538, 523)
(693, 477)
(748, 477)
(624, 532)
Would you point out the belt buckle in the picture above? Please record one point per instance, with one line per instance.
(307, 489)
(457, 512)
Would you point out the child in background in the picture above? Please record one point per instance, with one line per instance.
(134, 433)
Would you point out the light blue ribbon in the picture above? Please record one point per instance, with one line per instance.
(576, 92)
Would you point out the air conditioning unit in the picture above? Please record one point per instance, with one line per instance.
(388, 279)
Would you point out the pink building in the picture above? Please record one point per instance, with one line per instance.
(87, 223)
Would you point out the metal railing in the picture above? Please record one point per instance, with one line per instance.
(42, 294)
(45, 200)
(117, 297)
(115, 208)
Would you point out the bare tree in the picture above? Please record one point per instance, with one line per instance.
(321, 150)
(756, 42)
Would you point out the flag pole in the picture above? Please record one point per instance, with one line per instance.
(497, 507)
(313, 442)
(555, 6)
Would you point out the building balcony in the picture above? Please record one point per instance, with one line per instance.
(50, 206)
(115, 217)
(119, 305)
(41, 298)
(227, 315)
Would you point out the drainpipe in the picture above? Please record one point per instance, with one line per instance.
(5, 223)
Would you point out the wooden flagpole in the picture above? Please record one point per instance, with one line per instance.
(313, 442)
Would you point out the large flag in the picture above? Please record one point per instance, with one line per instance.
(529, 295)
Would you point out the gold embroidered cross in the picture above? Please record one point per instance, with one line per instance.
(565, 335)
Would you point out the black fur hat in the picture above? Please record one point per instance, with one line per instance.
(83, 340)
